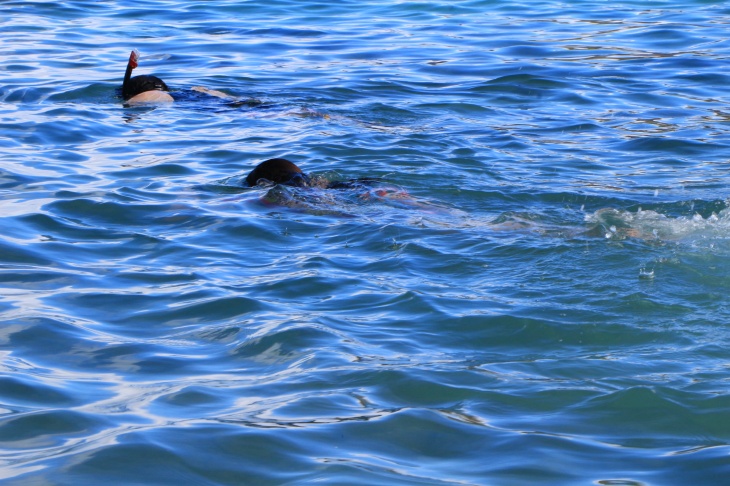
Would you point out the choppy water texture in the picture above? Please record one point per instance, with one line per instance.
(535, 293)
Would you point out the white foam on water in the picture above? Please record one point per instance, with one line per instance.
(708, 231)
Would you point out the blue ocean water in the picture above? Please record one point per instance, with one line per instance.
(535, 292)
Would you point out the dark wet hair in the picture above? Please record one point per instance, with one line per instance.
(278, 171)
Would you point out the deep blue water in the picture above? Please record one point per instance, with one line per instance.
(534, 293)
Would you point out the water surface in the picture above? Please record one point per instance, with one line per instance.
(534, 294)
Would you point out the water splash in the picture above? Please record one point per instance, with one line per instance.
(653, 225)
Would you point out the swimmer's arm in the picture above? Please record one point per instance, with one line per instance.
(213, 92)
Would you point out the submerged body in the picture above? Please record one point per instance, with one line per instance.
(289, 186)
(294, 188)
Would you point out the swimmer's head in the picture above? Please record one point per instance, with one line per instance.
(278, 171)
(144, 88)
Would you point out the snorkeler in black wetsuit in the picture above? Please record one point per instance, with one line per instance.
(147, 89)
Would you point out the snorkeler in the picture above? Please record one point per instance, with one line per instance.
(147, 88)
(283, 172)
